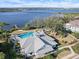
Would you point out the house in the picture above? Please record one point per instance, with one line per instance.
(73, 26)
(33, 43)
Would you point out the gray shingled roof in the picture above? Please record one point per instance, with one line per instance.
(37, 44)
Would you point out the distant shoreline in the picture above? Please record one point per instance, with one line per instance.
(19, 9)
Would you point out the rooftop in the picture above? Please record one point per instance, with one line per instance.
(74, 23)
(39, 43)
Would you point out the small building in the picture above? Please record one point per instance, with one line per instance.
(33, 43)
(73, 26)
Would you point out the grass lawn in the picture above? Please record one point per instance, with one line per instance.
(48, 57)
(76, 48)
(63, 52)
(59, 53)
(76, 34)
(72, 14)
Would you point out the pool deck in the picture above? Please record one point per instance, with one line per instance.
(23, 31)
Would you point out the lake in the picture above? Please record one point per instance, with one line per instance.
(21, 18)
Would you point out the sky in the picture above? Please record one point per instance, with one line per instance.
(40, 3)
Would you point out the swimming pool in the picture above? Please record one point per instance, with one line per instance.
(25, 35)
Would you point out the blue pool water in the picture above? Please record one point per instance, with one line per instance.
(26, 35)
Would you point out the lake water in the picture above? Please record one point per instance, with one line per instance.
(21, 18)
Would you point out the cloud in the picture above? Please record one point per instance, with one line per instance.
(40, 3)
(54, 4)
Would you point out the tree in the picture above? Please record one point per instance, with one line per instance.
(67, 18)
(2, 24)
(54, 23)
(27, 26)
(3, 32)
